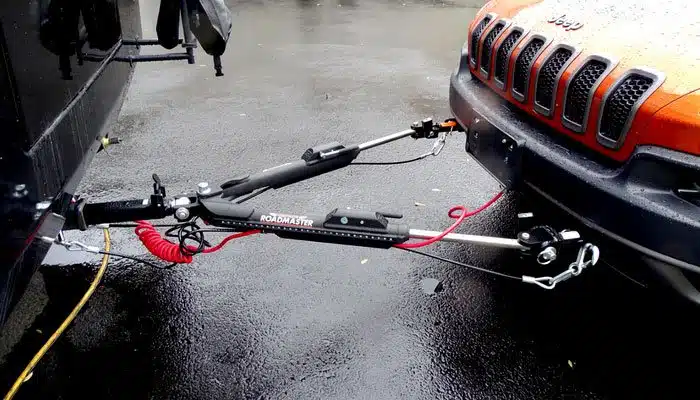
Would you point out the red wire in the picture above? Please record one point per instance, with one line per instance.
(226, 240)
(459, 218)
(169, 251)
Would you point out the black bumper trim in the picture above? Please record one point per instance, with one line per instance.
(617, 238)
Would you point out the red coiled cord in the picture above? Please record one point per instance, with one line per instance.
(459, 218)
(169, 251)
(158, 246)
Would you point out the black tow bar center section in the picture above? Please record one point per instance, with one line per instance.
(352, 227)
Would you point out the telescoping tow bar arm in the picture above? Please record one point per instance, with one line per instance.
(223, 211)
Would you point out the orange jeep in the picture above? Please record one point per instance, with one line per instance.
(593, 107)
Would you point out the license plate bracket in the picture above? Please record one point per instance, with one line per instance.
(498, 152)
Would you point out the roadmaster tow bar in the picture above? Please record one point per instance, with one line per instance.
(223, 211)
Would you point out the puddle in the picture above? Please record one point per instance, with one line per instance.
(431, 285)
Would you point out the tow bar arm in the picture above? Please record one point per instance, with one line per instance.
(314, 161)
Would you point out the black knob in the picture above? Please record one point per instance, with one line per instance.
(217, 66)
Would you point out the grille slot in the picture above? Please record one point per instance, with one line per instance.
(521, 73)
(476, 35)
(579, 93)
(548, 79)
(619, 106)
(502, 59)
(486, 47)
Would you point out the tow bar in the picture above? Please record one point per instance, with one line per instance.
(223, 211)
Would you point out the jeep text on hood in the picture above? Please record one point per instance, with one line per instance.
(612, 74)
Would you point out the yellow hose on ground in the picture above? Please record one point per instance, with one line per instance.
(37, 357)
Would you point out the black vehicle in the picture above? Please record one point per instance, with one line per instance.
(55, 110)
(65, 70)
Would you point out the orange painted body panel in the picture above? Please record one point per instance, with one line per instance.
(676, 125)
(662, 36)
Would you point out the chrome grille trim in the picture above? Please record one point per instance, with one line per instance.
(657, 79)
(523, 33)
(475, 40)
(611, 63)
(548, 109)
(501, 24)
(522, 97)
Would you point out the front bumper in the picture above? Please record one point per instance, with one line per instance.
(633, 204)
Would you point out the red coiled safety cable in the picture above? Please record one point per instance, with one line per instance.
(169, 251)
(459, 218)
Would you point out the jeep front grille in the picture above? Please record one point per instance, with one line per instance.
(521, 73)
(486, 47)
(503, 59)
(548, 79)
(620, 105)
(476, 35)
(579, 93)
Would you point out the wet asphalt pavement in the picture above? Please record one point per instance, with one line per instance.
(271, 319)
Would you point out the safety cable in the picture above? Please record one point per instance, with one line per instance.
(424, 156)
(447, 260)
(134, 225)
(438, 145)
(140, 260)
(61, 328)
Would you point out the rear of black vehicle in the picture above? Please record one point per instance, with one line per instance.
(60, 91)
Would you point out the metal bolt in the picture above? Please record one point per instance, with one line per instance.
(344, 220)
(20, 191)
(203, 188)
(182, 213)
(525, 235)
(547, 255)
(504, 141)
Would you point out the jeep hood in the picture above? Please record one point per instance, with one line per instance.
(662, 35)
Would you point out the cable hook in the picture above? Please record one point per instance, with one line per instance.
(439, 143)
(575, 268)
(581, 262)
(71, 245)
